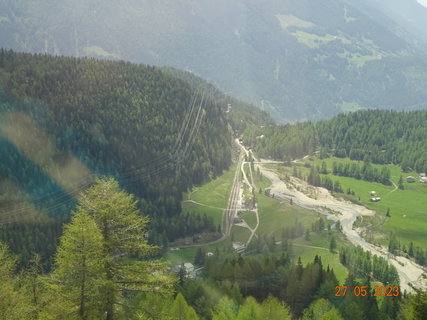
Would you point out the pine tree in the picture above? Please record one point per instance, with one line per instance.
(79, 270)
(14, 305)
(180, 309)
(250, 310)
(122, 228)
(400, 183)
(199, 259)
(224, 310)
(321, 309)
(307, 235)
(273, 309)
(332, 244)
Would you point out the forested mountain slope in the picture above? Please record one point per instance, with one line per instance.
(298, 60)
(64, 121)
(375, 135)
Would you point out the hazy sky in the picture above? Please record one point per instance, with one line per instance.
(422, 2)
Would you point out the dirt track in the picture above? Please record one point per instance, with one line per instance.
(345, 212)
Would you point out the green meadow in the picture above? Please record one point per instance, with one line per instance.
(212, 196)
(274, 214)
(408, 207)
(303, 248)
(249, 217)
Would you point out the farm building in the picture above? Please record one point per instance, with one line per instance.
(410, 179)
(423, 180)
(239, 246)
(237, 220)
(189, 267)
(373, 193)
(375, 199)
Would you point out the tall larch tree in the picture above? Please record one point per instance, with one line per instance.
(129, 266)
(78, 276)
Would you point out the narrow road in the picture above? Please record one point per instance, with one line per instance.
(251, 187)
(230, 212)
(410, 273)
(203, 205)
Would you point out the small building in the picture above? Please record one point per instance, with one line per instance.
(237, 220)
(248, 204)
(188, 267)
(373, 193)
(423, 179)
(410, 179)
(239, 246)
(422, 175)
(375, 199)
(209, 254)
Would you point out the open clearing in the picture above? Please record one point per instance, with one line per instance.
(408, 207)
(211, 197)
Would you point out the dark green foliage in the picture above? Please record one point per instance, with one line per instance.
(364, 172)
(181, 225)
(199, 259)
(382, 136)
(400, 183)
(373, 136)
(260, 61)
(240, 114)
(365, 265)
(264, 275)
(113, 118)
(332, 244)
(282, 142)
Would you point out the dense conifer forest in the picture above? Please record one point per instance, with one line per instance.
(77, 245)
(375, 136)
(82, 118)
(105, 269)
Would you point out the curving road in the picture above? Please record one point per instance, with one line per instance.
(410, 273)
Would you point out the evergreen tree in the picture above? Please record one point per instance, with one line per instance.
(400, 183)
(199, 258)
(273, 309)
(180, 310)
(122, 228)
(250, 310)
(321, 309)
(332, 244)
(14, 305)
(224, 310)
(79, 270)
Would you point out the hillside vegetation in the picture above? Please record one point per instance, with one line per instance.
(373, 136)
(297, 60)
(64, 121)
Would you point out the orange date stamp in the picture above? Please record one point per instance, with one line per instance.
(377, 291)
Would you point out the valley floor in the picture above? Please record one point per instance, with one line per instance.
(410, 273)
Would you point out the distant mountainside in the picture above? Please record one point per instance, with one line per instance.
(409, 15)
(296, 59)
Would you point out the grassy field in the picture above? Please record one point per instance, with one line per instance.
(213, 196)
(240, 234)
(249, 217)
(289, 20)
(312, 40)
(188, 254)
(408, 207)
(274, 214)
(302, 248)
